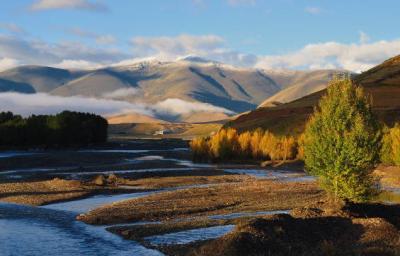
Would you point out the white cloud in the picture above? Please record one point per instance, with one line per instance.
(78, 64)
(61, 54)
(40, 5)
(40, 103)
(100, 39)
(241, 2)
(12, 27)
(121, 93)
(173, 47)
(313, 10)
(364, 38)
(354, 57)
(7, 63)
(105, 39)
(234, 3)
(207, 46)
(179, 107)
(199, 3)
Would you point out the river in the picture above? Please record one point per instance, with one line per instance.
(53, 229)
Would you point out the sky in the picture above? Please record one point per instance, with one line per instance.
(268, 34)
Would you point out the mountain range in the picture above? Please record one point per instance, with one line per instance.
(192, 79)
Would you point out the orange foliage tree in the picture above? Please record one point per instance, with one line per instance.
(258, 145)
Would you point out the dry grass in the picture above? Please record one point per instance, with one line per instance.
(178, 130)
(167, 182)
(260, 195)
(138, 232)
(284, 235)
(51, 191)
(43, 192)
(353, 229)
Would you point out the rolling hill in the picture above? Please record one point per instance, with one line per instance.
(382, 83)
(42, 79)
(299, 84)
(191, 79)
(11, 86)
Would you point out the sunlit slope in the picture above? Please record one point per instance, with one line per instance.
(382, 83)
(299, 84)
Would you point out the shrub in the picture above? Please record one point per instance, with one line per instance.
(342, 142)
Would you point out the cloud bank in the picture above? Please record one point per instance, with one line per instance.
(41, 103)
(180, 107)
(358, 56)
(36, 52)
(331, 55)
(121, 93)
(41, 5)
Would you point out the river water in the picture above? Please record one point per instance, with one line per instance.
(53, 229)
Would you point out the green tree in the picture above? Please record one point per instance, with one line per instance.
(342, 142)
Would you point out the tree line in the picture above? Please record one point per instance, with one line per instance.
(341, 145)
(228, 144)
(61, 130)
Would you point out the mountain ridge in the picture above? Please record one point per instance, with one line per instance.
(150, 82)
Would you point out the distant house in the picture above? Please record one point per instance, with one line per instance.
(162, 132)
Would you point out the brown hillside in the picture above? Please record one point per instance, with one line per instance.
(382, 83)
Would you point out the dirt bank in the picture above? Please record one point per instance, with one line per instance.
(51, 191)
(257, 195)
(355, 229)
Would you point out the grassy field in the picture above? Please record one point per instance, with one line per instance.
(174, 130)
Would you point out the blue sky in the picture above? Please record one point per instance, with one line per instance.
(293, 34)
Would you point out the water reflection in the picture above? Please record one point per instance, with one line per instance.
(188, 236)
(39, 231)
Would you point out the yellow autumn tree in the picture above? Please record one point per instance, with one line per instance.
(300, 147)
(200, 148)
(288, 148)
(255, 143)
(224, 144)
(268, 145)
(395, 136)
(244, 141)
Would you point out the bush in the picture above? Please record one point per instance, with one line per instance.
(342, 142)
